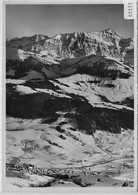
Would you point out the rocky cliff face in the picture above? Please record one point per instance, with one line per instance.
(81, 43)
(73, 45)
(104, 43)
(24, 43)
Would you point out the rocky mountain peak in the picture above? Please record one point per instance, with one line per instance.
(111, 31)
(77, 44)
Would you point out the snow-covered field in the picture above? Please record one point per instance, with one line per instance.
(106, 158)
(121, 88)
(62, 153)
(84, 85)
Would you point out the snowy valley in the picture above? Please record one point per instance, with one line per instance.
(70, 110)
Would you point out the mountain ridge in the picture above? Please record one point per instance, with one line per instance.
(72, 45)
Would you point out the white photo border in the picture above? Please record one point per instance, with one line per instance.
(63, 190)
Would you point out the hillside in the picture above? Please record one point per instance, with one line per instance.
(70, 110)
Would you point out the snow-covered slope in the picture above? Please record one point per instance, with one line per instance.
(48, 67)
(70, 110)
(95, 89)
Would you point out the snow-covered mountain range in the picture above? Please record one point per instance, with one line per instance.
(77, 44)
(70, 97)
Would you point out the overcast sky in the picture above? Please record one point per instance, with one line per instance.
(27, 20)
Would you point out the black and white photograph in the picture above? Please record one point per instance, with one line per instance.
(69, 97)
